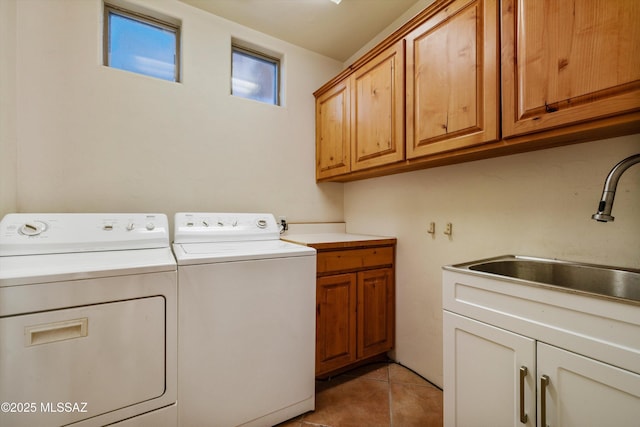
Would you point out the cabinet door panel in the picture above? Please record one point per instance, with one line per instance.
(452, 83)
(335, 322)
(585, 392)
(377, 115)
(333, 132)
(568, 62)
(375, 311)
(482, 374)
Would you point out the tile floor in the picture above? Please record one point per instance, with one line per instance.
(378, 395)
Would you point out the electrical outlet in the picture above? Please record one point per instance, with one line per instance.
(282, 221)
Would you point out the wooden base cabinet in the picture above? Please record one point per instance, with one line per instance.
(494, 377)
(355, 306)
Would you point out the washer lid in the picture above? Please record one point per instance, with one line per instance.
(52, 233)
(207, 253)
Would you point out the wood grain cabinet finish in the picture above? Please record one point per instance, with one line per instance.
(375, 312)
(355, 305)
(333, 131)
(569, 62)
(483, 78)
(452, 79)
(377, 113)
(335, 322)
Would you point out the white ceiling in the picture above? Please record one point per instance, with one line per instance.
(334, 30)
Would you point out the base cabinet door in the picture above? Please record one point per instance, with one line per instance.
(493, 377)
(576, 391)
(488, 375)
(335, 321)
(375, 312)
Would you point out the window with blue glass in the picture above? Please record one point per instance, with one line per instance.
(255, 75)
(141, 44)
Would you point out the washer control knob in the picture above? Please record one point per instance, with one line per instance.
(262, 223)
(150, 226)
(131, 226)
(32, 228)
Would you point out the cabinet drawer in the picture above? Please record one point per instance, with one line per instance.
(354, 259)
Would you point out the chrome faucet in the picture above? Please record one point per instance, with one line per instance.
(609, 191)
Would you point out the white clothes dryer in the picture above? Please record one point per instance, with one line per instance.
(88, 320)
(246, 321)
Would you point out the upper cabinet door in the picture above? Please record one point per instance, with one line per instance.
(452, 79)
(333, 131)
(377, 110)
(568, 62)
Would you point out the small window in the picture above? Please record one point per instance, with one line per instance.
(141, 44)
(255, 75)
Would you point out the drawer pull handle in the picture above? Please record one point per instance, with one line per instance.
(523, 375)
(56, 331)
(544, 383)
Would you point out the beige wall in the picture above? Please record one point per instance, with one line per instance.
(534, 204)
(91, 138)
(537, 204)
(77, 136)
(8, 157)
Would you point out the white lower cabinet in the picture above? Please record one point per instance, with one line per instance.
(494, 377)
(574, 390)
(482, 374)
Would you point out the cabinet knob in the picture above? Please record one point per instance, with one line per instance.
(549, 109)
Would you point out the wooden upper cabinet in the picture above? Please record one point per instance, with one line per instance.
(333, 131)
(568, 62)
(452, 79)
(377, 110)
(471, 79)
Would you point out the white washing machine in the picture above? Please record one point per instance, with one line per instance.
(88, 320)
(246, 321)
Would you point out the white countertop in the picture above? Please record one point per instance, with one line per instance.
(329, 235)
(316, 238)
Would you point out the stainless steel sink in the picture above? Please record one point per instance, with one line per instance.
(612, 282)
